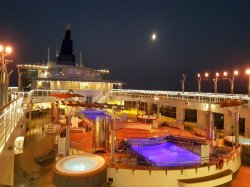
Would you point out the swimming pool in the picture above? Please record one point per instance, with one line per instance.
(166, 154)
(93, 114)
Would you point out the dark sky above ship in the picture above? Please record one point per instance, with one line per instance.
(192, 37)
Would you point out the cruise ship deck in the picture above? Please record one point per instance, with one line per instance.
(28, 173)
(66, 125)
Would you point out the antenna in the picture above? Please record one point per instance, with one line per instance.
(68, 26)
(81, 62)
(48, 55)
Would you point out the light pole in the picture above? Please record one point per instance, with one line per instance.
(216, 82)
(248, 73)
(231, 79)
(183, 82)
(199, 80)
(4, 75)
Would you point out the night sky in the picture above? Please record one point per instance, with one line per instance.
(192, 37)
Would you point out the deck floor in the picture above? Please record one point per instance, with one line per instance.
(29, 174)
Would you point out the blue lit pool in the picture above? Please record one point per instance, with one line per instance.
(166, 154)
(93, 114)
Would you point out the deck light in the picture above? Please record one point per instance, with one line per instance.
(248, 73)
(8, 49)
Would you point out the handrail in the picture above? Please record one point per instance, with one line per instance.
(174, 95)
(122, 162)
(9, 117)
(179, 96)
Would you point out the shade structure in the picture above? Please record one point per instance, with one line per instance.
(65, 95)
(93, 105)
(230, 103)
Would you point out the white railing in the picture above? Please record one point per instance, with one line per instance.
(9, 116)
(103, 98)
(131, 161)
(179, 96)
(154, 94)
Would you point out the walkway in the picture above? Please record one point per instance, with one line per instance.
(27, 172)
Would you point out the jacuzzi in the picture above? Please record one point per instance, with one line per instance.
(80, 170)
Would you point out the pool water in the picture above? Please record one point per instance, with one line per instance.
(166, 154)
(93, 114)
(80, 164)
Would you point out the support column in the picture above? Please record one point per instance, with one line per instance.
(158, 109)
(210, 126)
(229, 123)
(137, 108)
(149, 108)
(180, 115)
(3, 87)
(247, 127)
(67, 140)
(112, 140)
(201, 119)
(236, 117)
(55, 112)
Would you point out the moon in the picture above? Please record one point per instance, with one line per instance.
(153, 36)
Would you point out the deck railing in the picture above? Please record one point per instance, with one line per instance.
(129, 162)
(169, 95)
(9, 116)
(179, 96)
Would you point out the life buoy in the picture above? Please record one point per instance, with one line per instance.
(220, 163)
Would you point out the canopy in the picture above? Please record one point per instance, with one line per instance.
(230, 103)
(65, 95)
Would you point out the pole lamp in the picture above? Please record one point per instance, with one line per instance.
(199, 82)
(183, 82)
(4, 52)
(231, 79)
(199, 78)
(248, 73)
(4, 75)
(215, 79)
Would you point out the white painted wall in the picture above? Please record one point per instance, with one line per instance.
(180, 115)
(182, 104)
(201, 119)
(164, 178)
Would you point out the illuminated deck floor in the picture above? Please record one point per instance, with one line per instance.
(27, 172)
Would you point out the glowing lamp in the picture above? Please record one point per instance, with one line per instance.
(8, 50)
(248, 71)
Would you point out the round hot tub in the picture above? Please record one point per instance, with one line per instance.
(80, 170)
